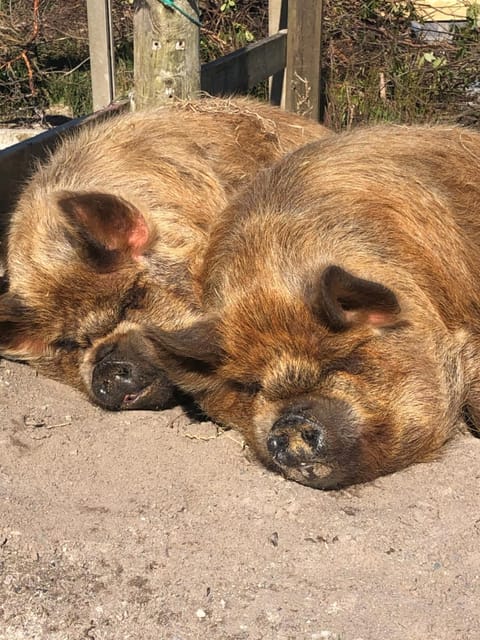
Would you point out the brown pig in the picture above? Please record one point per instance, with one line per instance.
(106, 241)
(342, 305)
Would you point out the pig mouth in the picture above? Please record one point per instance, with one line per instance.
(137, 399)
(133, 399)
(317, 475)
(155, 396)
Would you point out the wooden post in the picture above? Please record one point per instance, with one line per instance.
(166, 52)
(304, 40)
(100, 42)
(277, 21)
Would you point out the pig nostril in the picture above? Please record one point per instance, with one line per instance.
(123, 373)
(312, 437)
(277, 443)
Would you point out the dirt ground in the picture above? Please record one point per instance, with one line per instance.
(150, 526)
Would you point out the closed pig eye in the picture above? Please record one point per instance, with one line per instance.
(70, 344)
(352, 364)
(66, 344)
(250, 388)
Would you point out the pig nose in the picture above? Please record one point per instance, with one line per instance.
(295, 438)
(112, 380)
(114, 373)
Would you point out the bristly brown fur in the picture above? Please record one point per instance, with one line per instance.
(342, 290)
(106, 242)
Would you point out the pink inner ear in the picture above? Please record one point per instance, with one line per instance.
(138, 238)
(373, 318)
(134, 236)
(107, 220)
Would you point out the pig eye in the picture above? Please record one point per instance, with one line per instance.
(352, 364)
(249, 388)
(69, 345)
(66, 344)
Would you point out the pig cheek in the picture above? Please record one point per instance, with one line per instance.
(225, 407)
(264, 415)
(86, 363)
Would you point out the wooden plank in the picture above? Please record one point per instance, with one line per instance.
(166, 53)
(303, 76)
(100, 42)
(277, 21)
(241, 70)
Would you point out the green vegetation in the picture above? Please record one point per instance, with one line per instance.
(375, 65)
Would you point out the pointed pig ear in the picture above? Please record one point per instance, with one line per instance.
(107, 228)
(18, 330)
(197, 347)
(343, 300)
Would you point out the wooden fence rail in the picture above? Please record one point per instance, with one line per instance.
(241, 70)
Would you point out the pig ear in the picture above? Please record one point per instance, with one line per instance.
(18, 330)
(108, 229)
(342, 300)
(197, 347)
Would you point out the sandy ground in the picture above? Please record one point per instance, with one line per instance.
(149, 525)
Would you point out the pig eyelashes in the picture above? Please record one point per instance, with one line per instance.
(250, 388)
(132, 301)
(15, 315)
(18, 328)
(352, 364)
(66, 344)
(3, 284)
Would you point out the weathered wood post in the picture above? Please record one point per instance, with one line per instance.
(277, 21)
(166, 51)
(100, 42)
(304, 41)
